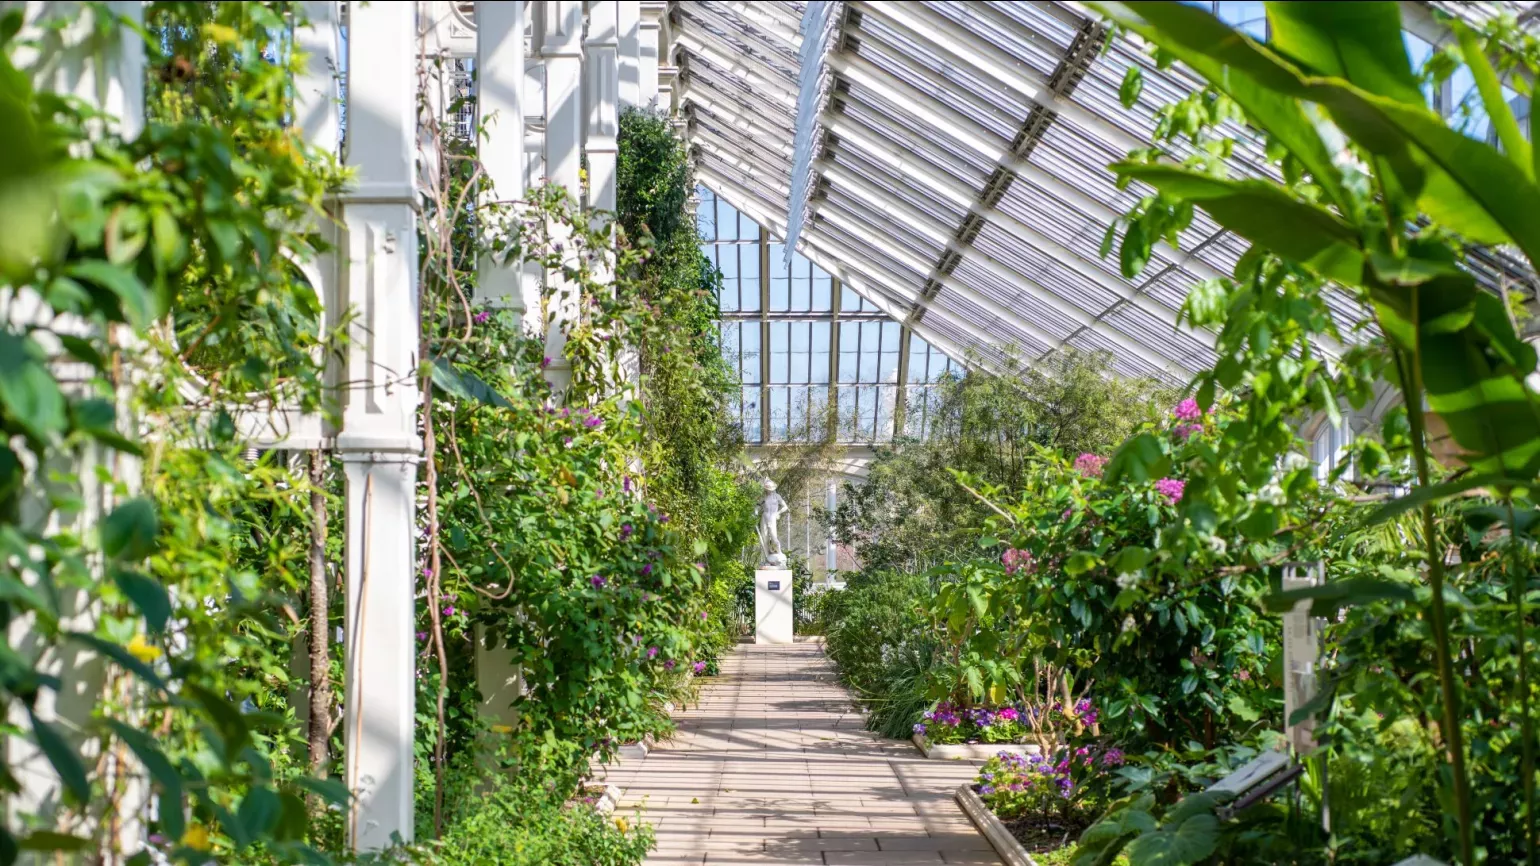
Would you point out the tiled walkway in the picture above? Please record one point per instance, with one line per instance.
(774, 767)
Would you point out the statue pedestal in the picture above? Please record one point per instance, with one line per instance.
(772, 605)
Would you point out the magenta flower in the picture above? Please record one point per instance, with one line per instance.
(449, 610)
(422, 635)
(1017, 560)
(704, 615)
(652, 652)
(1183, 431)
(1090, 465)
(700, 667)
(1187, 410)
(545, 362)
(598, 581)
(625, 483)
(481, 317)
(668, 665)
(647, 569)
(592, 421)
(625, 531)
(1170, 488)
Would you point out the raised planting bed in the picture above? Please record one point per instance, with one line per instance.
(603, 798)
(637, 750)
(1017, 842)
(971, 751)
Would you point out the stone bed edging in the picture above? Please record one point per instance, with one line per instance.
(984, 819)
(970, 751)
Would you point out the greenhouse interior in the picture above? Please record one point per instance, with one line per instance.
(763, 431)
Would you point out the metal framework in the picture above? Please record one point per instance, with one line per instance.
(949, 161)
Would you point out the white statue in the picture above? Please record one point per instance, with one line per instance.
(770, 511)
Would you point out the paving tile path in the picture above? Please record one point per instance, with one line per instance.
(773, 766)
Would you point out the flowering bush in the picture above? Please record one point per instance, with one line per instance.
(948, 724)
(1069, 784)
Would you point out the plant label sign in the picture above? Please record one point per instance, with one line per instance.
(1301, 653)
(774, 585)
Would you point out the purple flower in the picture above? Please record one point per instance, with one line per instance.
(449, 610)
(1113, 758)
(625, 482)
(1183, 431)
(1187, 410)
(704, 616)
(422, 635)
(647, 569)
(545, 362)
(986, 789)
(1170, 488)
(481, 317)
(652, 652)
(1008, 714)
(668, 665)
(700, 667)
(919, 728)
(1090, 465)
(592, 421)
(427, 572)
(598, 581)
(663, 518)
(625, 531)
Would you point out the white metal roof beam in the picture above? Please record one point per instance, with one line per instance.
(918, 168)
(1022, 283)
(740, 100)
(698, 102)
(773, 177)
(756, 76)
(767, 17)
(853, 222)
(743, 28)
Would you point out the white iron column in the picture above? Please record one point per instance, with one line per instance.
(561, 32)
(831, 558)
(651, 31)
(500, 103)
(601, 84)
(379, 444)
(630, 27)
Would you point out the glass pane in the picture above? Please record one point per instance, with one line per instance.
(751, 415)
(850, 302)
(748, 268)
(780, 345)
(820, 336)
(819, 368)
(727, 222)
(918, 358)
(750, 341)
(1246, 15)
(705, 214)
(822, 286)
(846, 417)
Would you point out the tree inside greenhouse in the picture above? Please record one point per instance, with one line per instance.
(1147, 394)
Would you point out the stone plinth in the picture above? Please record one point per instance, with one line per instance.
(772, 605)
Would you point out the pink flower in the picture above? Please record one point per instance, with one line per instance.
(652, 652)
(700, 667)
(449, 610)
(1090, 465)
(1017, 560)
(1170, 488)
(1243, 675)
(481, 317)
(1187, 410)
(704, 615)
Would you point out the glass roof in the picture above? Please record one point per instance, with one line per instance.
(949, 161)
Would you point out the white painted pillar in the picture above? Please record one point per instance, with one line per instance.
(108, 76)
(650, 30)
(630, 27)
(379, 444)
(561, 32)
(601, 81)
(500, 103)
(831, 559)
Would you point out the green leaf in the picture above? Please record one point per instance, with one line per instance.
(1139, 459)
(1189, 842)
(1498, 112)
(330, 790)
(1264, 213)
(1131, 559)
(65, 761)
(1080, 563)
(128, 533)
(120, 655)
(150, 755)
(465, 385)
(1360, 42)
(1135, 252)
(1421, 495)
(1333, 595)
(259, 810)
(1132, 86)
(131, 294)
(148, 595)
(28, 391)
(47, 840)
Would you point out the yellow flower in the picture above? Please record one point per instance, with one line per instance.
(621, 825)
(196, 838)
(142, 649)
(502, 729)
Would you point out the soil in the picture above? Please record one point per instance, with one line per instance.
(1040, 835)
